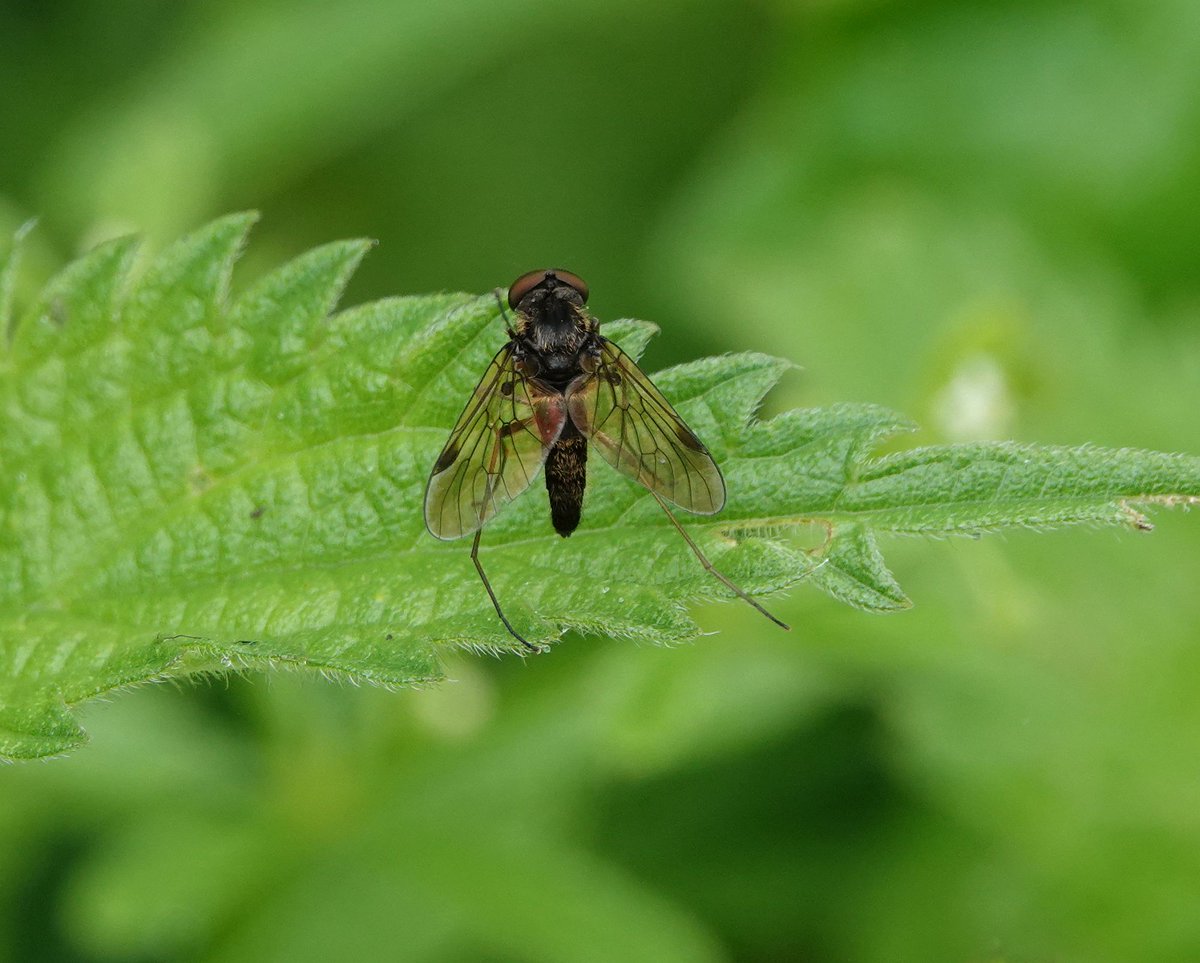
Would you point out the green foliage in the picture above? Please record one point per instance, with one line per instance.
(909, 200)
(195, 482)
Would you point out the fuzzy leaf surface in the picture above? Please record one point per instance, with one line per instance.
(197, 482)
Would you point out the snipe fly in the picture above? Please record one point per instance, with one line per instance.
(556, 386)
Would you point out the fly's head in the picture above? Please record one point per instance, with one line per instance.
(549, 299)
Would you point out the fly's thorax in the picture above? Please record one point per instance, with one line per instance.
(557, 337)
(552, 319)
(553, 350)
(549, 321)
(552, 305)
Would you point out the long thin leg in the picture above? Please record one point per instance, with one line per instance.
(492, 595)
(708, 566)
(487, 497)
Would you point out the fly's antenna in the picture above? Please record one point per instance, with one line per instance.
(709, 567)
(507, 327)
(487, 498)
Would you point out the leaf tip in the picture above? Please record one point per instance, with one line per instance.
(38, 731)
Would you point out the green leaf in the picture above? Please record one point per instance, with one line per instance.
(195, 482)
(853, 571)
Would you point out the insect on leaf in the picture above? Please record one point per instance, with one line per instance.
(197, 481)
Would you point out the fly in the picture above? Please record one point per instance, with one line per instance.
(557, 387)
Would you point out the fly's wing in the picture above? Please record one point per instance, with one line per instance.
(495, 450)
(636, 430)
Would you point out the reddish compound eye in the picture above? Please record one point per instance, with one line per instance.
(523, 285)
(574, 281)
(527, 282)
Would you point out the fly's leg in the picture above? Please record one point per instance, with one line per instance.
(492, 466)
(708, 566)
(496, 602)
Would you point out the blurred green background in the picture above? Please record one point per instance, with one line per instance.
(984, 215)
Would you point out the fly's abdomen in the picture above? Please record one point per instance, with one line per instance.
(566, 478)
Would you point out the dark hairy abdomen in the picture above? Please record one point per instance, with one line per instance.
(566, 478)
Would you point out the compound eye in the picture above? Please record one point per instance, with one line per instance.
(527, 282)
(573, 280)
(523, 285)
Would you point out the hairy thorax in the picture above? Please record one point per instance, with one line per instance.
(555, 345)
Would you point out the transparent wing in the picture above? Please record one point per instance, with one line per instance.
(636, 430)
(495, 450)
